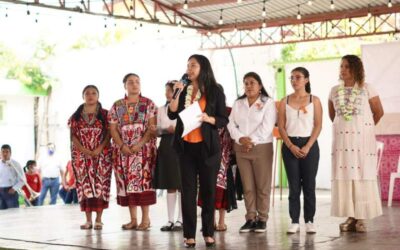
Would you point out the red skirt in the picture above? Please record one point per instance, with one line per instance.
(93, 205)
(221, 199)
(137, 199)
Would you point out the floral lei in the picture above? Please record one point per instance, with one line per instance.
(188, 97)
(347, 111)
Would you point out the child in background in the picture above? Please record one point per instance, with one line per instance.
(34, 181)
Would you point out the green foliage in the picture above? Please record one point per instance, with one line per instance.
(29, 72)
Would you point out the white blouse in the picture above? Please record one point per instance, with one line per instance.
(256, 121)
(163, 121)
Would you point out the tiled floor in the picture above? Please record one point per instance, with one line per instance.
(57, 227)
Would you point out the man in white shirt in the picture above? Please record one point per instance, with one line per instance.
(51, 170)
(11, 179)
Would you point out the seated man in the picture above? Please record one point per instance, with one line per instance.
(11, 179)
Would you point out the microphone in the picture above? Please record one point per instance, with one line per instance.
(185, 80)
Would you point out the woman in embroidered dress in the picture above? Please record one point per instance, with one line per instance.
(133, 127)
(91, 156)
(355, 109)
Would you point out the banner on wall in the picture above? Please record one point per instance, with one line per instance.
(382, 64)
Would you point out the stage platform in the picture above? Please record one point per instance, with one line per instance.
(57, 227)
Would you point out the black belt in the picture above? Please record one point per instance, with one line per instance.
(50, 178)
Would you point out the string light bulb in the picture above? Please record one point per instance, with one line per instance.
(332, 5)
(69, 22)
(221, 20)
(27, 9)
(239, 1)
(264, 12)
(180, 24)
(298, 12)
(390, 5)
(185, 5)
(6, 12)
(369, 12)
(37, 19)
(309, 2)
(264, 24)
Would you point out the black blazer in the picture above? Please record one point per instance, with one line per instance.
(215, 107)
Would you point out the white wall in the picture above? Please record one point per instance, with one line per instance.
(17, 128)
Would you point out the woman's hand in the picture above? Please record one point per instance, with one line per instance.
(125, 150)
(304, 150)
(205, 118)
(180, 86)
(136, 148)
(246, 144)
(87, 152)
(96, 152)
(296, 151)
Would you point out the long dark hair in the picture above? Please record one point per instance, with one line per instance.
(356, 68)
(306, 74)
(254, 75)
(78, 113)
(206, 77)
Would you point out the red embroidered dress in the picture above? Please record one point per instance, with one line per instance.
(133, 173)
(93, 174)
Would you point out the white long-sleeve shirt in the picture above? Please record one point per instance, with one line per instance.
(163, 121)
(256, 122)
(11, 174)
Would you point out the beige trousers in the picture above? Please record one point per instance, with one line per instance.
(256, 173)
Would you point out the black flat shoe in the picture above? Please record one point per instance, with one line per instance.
(210, 244)
(190, 245)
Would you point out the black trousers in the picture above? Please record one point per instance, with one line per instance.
(193, 167)
(301, 174)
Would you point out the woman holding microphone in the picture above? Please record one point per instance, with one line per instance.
(200, 150)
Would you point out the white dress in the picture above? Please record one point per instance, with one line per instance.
(354, 176)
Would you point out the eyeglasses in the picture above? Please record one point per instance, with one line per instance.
(293, 78)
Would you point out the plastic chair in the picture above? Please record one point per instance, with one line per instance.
(393, 177)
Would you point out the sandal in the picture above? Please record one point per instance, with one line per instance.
(130, 226)
(86, 226)
(98, 226)
(144, 226)
(361, 227)
(349, 225)
(220, 228)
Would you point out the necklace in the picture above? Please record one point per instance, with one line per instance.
(130, 110)
(189, 99)
(348, 110)
(85, 115)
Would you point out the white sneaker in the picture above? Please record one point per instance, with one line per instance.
(294, 228)
(310, 228)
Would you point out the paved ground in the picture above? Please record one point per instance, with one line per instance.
(57, 227)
